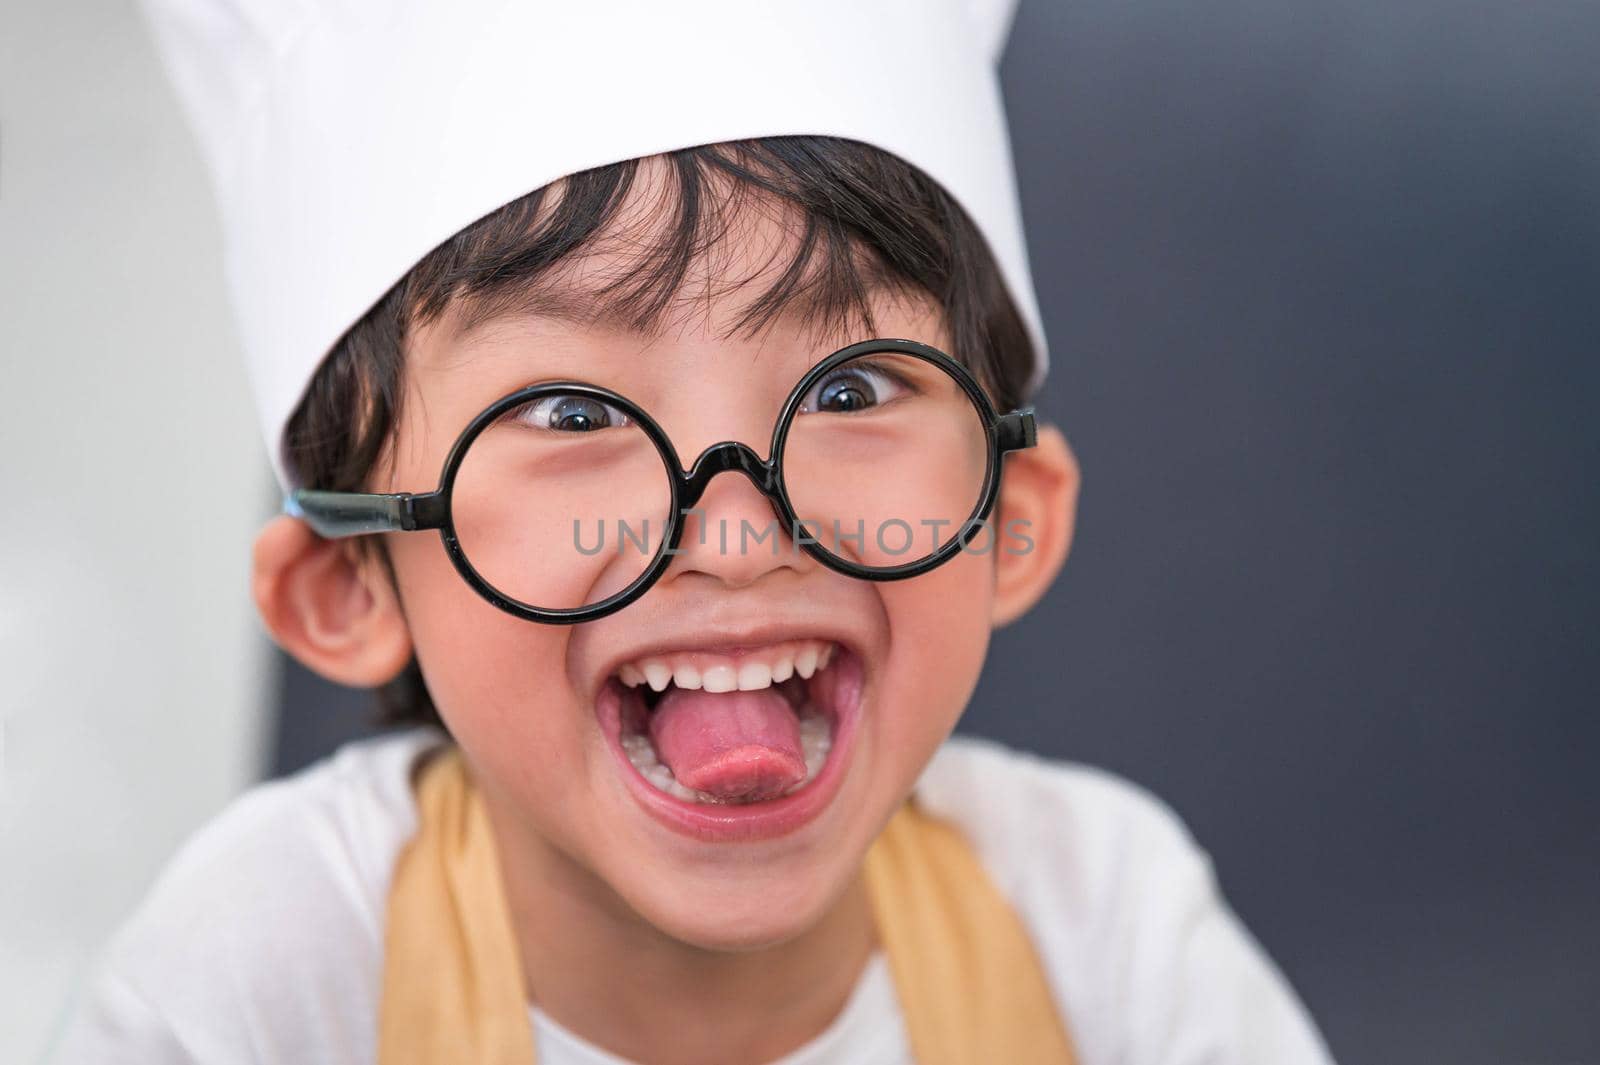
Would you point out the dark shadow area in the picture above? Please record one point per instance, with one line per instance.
(1322, 284)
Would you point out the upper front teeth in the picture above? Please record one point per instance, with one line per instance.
(753, 676)
(714, 673)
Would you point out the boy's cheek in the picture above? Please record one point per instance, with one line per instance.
(494, 677)
(938, 636)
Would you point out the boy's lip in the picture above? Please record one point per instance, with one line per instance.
(753, 821)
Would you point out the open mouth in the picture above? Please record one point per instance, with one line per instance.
(735, 730)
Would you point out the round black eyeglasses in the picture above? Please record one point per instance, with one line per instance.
(564, 501)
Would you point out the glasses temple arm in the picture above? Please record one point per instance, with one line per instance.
(334, 515)
(1016, 430)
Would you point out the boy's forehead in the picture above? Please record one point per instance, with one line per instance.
(557, 334)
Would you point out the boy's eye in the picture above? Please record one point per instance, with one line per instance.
(854, 387)
(569, 414)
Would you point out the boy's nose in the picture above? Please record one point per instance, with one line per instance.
(734, 533)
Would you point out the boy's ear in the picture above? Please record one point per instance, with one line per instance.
(329, 604)
(1035, 519)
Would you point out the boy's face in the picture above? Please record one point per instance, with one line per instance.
(541, 711)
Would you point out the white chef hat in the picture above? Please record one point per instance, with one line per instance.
(347, 138)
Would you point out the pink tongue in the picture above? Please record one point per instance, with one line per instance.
(738, 746)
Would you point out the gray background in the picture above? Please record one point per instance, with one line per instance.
(1322, 283)
(133, 673)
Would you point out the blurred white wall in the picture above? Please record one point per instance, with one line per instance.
(131, 480)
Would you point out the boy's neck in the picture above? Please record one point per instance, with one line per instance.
(636, 992)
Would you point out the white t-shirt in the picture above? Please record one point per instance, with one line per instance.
(262, 940)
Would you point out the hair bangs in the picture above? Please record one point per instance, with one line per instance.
(664, 253)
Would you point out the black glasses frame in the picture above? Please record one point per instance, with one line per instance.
(336, 515)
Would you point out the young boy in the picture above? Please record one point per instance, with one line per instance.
(701, 337)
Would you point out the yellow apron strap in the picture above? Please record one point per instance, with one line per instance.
(969, 982)
(452, 979)
(970, 986)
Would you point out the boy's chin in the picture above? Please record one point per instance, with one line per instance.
(733, 921)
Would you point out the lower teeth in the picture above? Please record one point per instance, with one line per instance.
(816, 737)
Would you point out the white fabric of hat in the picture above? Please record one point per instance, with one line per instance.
(347, 138)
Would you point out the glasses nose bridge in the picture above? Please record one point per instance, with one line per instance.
(730, 455)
